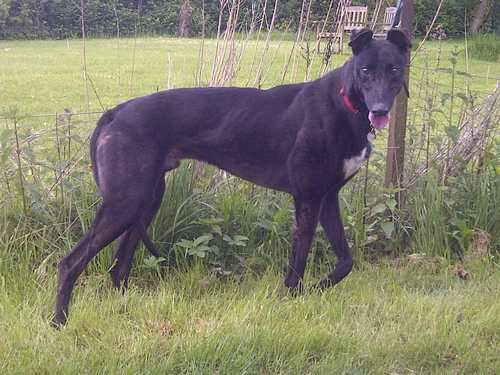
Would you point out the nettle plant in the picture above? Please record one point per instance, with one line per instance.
(209, 242)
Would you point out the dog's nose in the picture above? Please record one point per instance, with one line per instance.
(380, 110)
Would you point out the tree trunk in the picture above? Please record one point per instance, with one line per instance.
(479, 18)
(184, 16)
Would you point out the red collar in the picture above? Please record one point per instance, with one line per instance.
(349, 104)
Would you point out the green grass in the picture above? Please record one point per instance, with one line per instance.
(47, 76)
(412, 316)
(485, 47)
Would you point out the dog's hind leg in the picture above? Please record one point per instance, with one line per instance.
(127, 245)
(306, 221)
(331, 221)
(124, 256)
(127, 182)
(109, 224)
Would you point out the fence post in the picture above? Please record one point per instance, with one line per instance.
(397, 126)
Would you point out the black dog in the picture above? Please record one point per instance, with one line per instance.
(304, 139)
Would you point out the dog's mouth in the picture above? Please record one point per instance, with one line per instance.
(379, 121)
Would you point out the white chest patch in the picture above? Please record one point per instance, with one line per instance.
(352, 165)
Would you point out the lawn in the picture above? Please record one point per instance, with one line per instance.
(43, 77)
(422, 298)
(410, 316)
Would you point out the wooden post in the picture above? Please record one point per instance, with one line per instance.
(397, 125)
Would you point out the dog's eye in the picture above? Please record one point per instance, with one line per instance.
(365, 71)
(394, 71)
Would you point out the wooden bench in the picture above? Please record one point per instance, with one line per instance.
(353, 17)
(380, 30)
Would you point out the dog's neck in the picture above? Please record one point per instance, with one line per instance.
(356, 111)
(349, 103)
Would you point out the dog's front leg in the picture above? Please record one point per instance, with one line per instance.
(306, 221)
(331, 221)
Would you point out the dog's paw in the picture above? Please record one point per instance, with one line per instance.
(317, 288)
(57, 324)
(323, 285)
(298, 290)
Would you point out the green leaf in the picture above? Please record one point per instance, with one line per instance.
(29, 152)
(236, 241)
(152, 262)
(217, 229)
(214, 249)
(204, 238)
(387, 227)
(241, 238)
(453, 133)
(464, 97)
(210, 221)
(202, 248)
(445, 70)
(185, 243)
(266, 224)
(379, 208)
(391, 203)
(5, 137)
(6, 152)
(449, 202)
(32, 188)
(456, 222)
(445, 97)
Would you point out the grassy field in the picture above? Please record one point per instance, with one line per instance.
(411, 316)
(43, 77)
(46, 76)
(421, 300)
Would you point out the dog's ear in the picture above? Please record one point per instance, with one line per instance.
(399, 37)
(359, 39)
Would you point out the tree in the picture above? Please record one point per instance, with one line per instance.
(481, 13)
(4, 12)
(184, 16)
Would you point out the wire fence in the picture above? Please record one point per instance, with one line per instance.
(41, 162)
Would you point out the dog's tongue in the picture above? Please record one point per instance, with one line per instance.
(379, 122)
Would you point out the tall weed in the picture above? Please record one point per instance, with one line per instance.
(485, 47)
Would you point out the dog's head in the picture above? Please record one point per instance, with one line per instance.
(379, 70)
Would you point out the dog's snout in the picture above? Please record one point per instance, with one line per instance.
(379, 116)
(380, 110)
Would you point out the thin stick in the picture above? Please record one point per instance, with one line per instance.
(429, 29)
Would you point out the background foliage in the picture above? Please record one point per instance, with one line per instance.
(59, 19)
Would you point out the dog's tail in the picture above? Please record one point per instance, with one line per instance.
(147, 241)
(105, 119)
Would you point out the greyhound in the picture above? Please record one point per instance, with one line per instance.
(305, 139)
